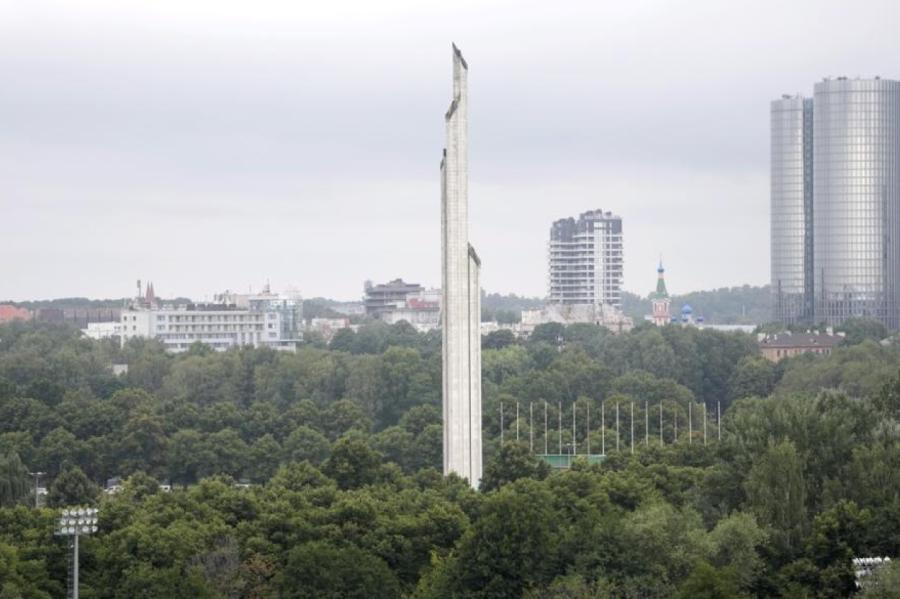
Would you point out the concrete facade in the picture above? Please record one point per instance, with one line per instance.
(461, 296)
(218, 326)
(384, 298)
(422, 310)
(604, 315)
(102, 330)
(586, 260)
(262, 320)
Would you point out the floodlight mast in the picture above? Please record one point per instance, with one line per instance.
(72, 523)
(37, 477)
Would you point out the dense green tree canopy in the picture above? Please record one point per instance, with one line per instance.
(317, 473)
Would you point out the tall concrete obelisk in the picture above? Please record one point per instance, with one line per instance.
(461, 295)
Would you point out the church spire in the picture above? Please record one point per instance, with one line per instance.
(659, 299)
(661, 291)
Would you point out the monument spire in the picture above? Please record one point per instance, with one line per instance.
(460, 295)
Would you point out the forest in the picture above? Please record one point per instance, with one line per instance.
(318, 473)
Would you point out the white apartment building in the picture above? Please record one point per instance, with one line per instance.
(102, 330)
(263, 320)
(586, 260)
(217, 326)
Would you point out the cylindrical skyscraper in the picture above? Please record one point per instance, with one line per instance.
(856, 200)
(791, 208)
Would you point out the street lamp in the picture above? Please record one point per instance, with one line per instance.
(37, 477)
(72, 523)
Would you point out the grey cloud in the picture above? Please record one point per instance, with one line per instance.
(302, 143)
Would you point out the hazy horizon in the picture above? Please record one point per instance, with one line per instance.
(169, 297)
(207, 145)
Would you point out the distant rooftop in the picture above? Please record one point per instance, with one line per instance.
(801, 340)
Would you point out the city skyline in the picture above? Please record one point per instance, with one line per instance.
(136, 138)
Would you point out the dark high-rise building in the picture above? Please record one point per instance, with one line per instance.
(836, 203)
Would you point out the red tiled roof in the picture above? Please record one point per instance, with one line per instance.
(9, 312)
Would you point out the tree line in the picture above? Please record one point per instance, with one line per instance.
(341, 443)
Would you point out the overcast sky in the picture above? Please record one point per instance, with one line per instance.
(207, 145)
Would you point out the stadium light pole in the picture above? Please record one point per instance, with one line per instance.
(72, 523)
(546, 433)
(719, 419)
(632, 428)
(675, 421)
(603, 428)
(690, 423)
(37, 478)
(517, 422)
(574, 432)
(531, 426)
(617, 426)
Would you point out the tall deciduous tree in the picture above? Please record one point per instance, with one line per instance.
(776, 494)
(13, 479)
(320, 570)
(72, 487)
(512, 462)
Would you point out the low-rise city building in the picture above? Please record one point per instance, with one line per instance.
(400, 301)
(327, 327)
(349, 308)
(776, 347)
(80, 317)
(421, 309)
(387, 297)
(605, 315)
(267, 320)
(9, 313)
(102, 330)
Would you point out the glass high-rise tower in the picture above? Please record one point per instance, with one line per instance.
(856, 208)
(836, 203)
(791, 205)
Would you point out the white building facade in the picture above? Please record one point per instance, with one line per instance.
(263, 320)
(586, 260)
(102, 330)
(217, 326)
(421, 309)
